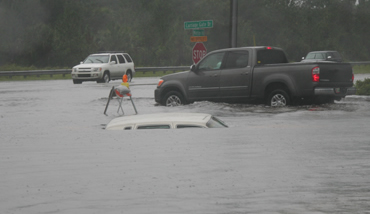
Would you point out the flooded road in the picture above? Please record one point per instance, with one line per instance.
(56, 157)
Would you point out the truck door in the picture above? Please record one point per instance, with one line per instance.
(235, 75)
(204, 83)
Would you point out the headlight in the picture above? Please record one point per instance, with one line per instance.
(74, 70)
(96, 69)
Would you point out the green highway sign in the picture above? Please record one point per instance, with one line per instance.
(198, 24)
(198, 32)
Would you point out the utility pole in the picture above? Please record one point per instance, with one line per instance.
(233, 23)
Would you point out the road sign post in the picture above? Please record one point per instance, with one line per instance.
(199, 51)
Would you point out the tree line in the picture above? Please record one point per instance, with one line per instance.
(52, 33)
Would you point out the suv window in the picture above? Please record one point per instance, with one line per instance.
(237, 59)
(113, 58)
(120, 58)
(128, 58)
(211, 62)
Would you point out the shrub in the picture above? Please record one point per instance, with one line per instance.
(363, 87)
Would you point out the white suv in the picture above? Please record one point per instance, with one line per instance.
(103, 67)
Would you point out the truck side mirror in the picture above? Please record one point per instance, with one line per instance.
(193, 68)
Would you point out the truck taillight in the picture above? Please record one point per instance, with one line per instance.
(315, 74)
(353, 77)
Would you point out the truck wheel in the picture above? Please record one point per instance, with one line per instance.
(129, 76)
(278, 97)
(105, 78)
(173, 98)
(77, 81)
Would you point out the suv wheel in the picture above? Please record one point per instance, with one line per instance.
(173, 98)
(129, 76)
(105, 78)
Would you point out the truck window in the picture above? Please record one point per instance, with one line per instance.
(271, 57)
(237, 59)
(211, 62)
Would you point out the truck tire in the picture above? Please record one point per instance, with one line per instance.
(173, 98)
(77, 81)
(105, 78)
(278, 98)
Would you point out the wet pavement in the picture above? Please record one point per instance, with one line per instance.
(56, 157)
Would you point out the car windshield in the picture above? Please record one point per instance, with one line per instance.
(97, 59)
(310, 56)
(214, 122)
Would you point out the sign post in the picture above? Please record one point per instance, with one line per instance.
(199, 51)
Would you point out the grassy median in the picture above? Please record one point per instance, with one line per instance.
(357, 69)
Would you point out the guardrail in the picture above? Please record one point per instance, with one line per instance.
(10, 74)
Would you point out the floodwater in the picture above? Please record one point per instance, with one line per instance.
(56, 157)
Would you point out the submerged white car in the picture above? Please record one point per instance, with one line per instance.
(165, 121)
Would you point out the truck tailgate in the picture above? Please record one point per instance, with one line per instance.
(335, 73)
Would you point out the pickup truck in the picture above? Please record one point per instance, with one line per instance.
(256, 73)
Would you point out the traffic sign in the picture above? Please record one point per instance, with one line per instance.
(198, 39)
(199, 51)
(198, 24)
(198, 32)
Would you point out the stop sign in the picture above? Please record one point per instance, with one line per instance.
(199, 51)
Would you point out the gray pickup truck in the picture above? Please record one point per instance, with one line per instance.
(260, 74)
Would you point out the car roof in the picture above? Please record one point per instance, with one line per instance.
(247, 48)
(160, 118)
(321, 51)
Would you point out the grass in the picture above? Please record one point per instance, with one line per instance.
(357, 69)
(361, 69)
(68, 76)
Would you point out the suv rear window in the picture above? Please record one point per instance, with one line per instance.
(128, 58)
(271, 57)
